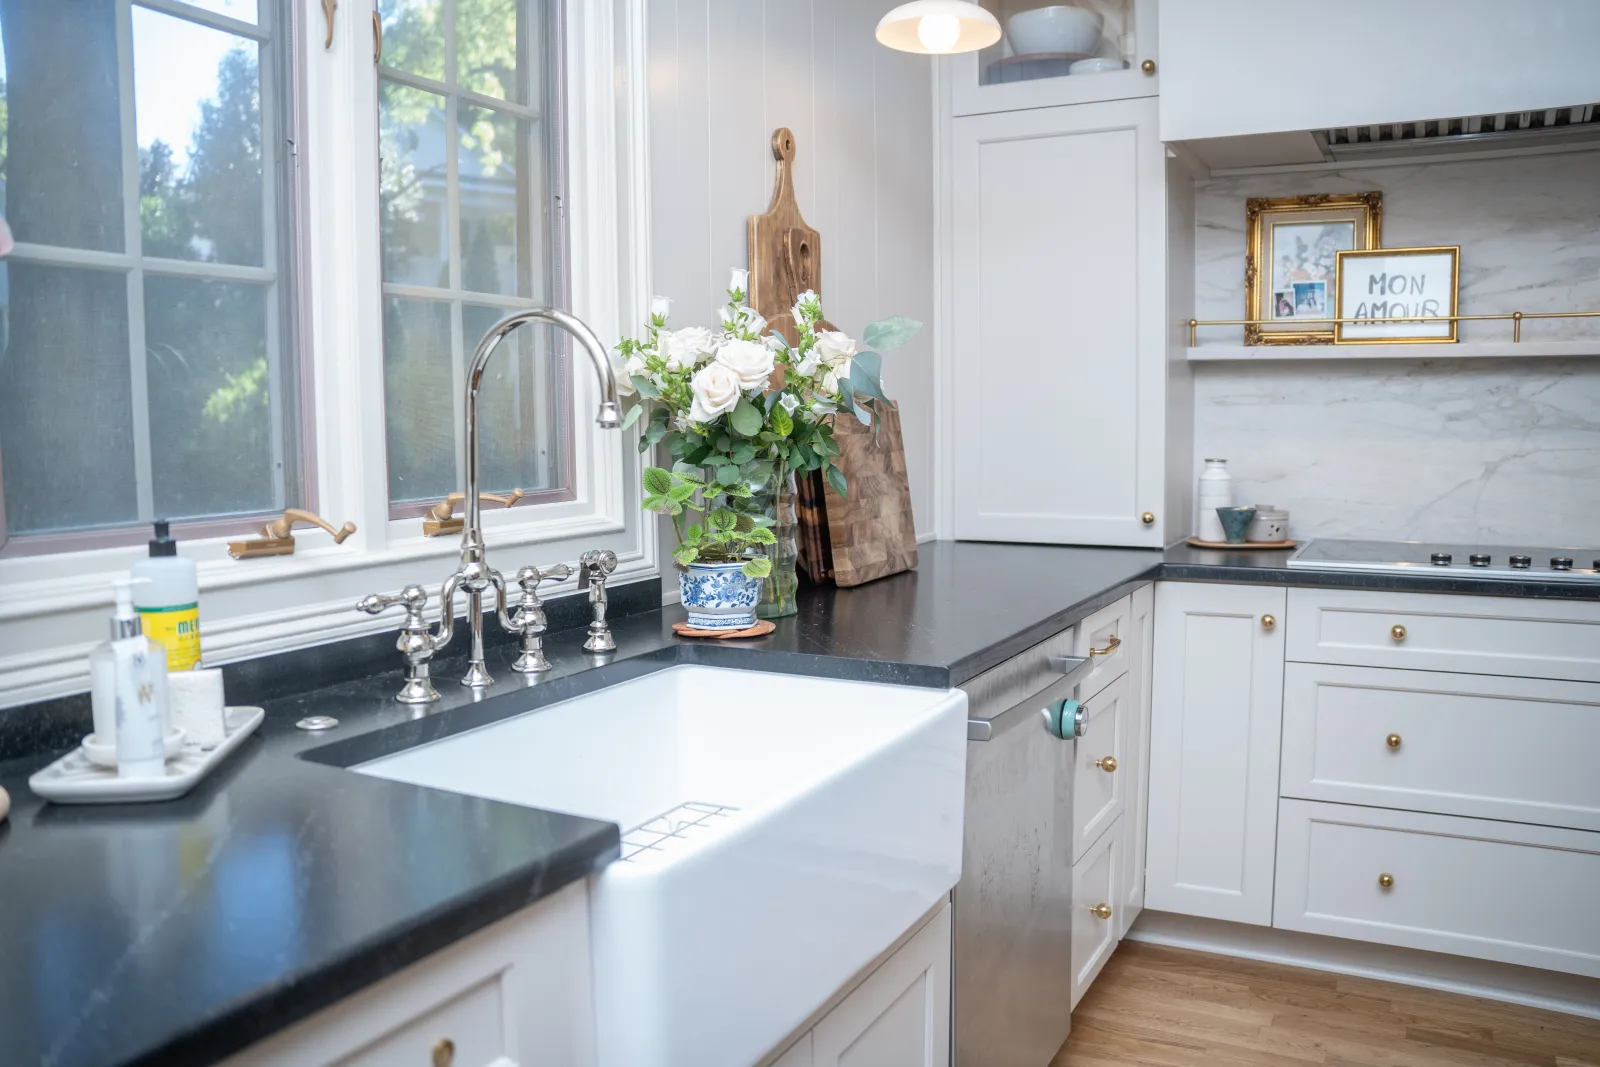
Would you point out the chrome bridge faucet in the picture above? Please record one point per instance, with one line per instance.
(475, 577)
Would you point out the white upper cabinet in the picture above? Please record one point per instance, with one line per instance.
(1237, 67)
(1058, 252)
(1069, 52)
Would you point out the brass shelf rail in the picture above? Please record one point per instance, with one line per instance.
(1514, 317)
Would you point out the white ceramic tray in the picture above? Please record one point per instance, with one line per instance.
(72, 779)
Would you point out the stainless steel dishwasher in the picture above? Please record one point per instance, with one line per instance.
(1013, 907)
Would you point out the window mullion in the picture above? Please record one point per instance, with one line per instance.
(133, 243)
(267, 87)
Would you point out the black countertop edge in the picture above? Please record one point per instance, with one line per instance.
(262, 1015)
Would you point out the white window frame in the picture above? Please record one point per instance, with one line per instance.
(53, 608)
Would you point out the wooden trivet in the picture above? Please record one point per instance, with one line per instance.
(1196, 542)
(760, 629)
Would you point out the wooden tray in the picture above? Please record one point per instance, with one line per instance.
(760, 629)
(1196, 542)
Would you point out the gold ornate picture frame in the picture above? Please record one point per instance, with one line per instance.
(1393, 283)
(1291, 261)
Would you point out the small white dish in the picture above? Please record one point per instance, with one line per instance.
(1097, 65)
(106, 755)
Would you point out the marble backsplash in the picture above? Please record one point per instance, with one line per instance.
(1489, 450)
(1528, 227)
(1477, 450)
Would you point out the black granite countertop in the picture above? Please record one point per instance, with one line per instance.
(178, 933)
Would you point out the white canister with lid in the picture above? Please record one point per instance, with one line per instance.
(1216, 491)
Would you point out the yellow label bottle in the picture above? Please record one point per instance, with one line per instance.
(166, 592)
(177, 629)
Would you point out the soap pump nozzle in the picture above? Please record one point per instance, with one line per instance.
(125, 621)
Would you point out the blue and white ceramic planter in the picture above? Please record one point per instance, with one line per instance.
(718, 596)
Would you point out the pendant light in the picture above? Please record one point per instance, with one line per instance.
(938, 27)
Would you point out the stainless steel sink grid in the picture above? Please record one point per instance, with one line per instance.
(679, 824)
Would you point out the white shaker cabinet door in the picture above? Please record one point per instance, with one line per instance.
(899, 1016)
(1216, 717)
(1058, 325)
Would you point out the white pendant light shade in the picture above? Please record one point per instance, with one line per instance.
(938, 27)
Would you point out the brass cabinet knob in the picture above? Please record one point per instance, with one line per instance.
(1101, 911)
(1148, 66)
(444, 1052)
(1107, 764)
(1393, 740)
(1397, 632)
(1148, 518)
(1268, 622)
(1386, 881)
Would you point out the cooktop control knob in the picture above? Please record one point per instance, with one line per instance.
(1479, 559)
(1561, 563)
(1522, 563)
(1440, 559)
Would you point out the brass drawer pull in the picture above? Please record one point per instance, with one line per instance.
(444, 1052)
(1393, 740)
(1386, 881)
(1268, 622)
(1111, 646)
(1107, 764)
(1397, 632)
(1101, 911)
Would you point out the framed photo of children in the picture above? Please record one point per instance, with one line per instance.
(1420, 284)
(1291, 261)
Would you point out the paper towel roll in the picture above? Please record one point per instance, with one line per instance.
(197, 705)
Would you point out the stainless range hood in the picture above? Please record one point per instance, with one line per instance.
(1516, 129)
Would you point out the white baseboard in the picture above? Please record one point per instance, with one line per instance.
(1568, 993)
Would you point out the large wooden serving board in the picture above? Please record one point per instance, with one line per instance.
(872, 533)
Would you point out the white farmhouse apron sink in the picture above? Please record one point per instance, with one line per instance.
(808, 823)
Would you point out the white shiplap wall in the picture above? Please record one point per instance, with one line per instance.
(723, 75)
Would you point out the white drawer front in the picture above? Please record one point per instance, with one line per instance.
(1097, 793)
(1107, 638)
(1440, 632)
(1526, 750)
(1492, 890)
(473, 1024)
(1094, 884)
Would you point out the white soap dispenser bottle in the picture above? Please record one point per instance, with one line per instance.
(141, 691)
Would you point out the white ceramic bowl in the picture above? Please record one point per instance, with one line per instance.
(1056, 29)
(1098, 65)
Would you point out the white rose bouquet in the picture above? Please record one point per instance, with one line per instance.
(744, 406)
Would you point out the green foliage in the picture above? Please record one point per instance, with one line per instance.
(891, 332)
(723, 534)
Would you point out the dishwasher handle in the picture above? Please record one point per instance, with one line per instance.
(1055, 712)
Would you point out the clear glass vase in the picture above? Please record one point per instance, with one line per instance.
(776, 500)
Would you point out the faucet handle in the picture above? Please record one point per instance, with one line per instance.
(417, 641)
(530, 578)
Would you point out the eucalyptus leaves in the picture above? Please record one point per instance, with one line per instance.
(742, 405)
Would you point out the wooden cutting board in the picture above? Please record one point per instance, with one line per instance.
(785, 253)
(872, 534)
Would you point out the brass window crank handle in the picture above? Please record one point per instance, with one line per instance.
(277, 539)
(442, 519)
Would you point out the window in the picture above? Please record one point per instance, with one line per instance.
(148, 355)
(471, 167)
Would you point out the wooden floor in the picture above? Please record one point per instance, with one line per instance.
(1171, 1008)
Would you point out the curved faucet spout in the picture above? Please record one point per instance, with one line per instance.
(608, 417)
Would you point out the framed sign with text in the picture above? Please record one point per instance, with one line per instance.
(1418, 285)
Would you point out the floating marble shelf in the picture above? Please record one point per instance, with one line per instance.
(1502, 349)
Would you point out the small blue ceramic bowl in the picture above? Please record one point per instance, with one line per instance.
(1235, 521)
